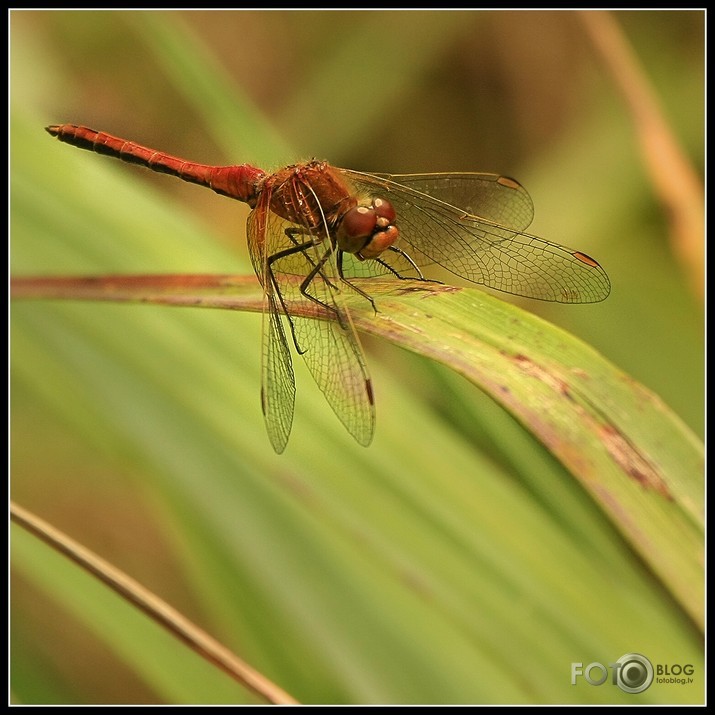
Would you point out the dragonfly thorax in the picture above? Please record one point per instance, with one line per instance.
(317, 197)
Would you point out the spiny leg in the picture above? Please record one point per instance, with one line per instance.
(408, 258)
(359, 291)
(295, 231)
(317, 270)
(310, 278)
(296, 248)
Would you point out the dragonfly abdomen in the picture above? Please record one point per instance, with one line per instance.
(239, 182)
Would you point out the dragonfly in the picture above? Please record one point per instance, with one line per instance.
(315, 228)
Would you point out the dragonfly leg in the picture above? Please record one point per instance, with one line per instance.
(315, 271)
(408, 258)
(359, 291)
(296, 248)
(295, 231)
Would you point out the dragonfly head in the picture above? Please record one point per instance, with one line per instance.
(367, 231)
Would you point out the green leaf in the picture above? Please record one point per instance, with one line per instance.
(644, 473)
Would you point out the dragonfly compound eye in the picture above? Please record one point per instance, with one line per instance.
(385, 211)
(367, 231)
(356, 228)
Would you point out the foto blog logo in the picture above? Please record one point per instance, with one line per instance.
(632, 673)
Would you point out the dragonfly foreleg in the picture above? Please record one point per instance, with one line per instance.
(359, 291)
(408, 258)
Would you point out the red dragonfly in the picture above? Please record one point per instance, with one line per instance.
(314, 227)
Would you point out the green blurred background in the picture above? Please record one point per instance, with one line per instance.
(454, 560)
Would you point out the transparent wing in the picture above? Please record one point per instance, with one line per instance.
(491, 251)
(330, 348)
(277, 378)
(494, 198)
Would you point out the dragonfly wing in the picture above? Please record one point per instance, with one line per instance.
(277, 378)
(487, 252)
(330, 348)
(335, 359)
(494, 198)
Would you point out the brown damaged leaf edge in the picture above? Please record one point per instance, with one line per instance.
(209, 291)
(619, 448)
(114, 286)
(531, 368)
(633, 463)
